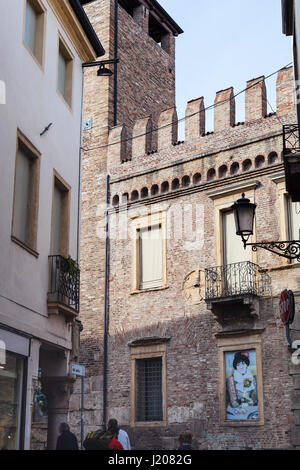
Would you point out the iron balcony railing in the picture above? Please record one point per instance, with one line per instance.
(237, 279)
(291, 141)
(64, 280)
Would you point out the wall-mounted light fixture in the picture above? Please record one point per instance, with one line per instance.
(244, 212)
(102, 71)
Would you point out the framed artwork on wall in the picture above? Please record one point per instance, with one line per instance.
(240, 379)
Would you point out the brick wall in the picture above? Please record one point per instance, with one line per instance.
(234, 155)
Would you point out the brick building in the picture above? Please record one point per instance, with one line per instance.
(194, 338)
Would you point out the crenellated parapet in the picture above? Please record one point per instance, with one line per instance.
(149, 137)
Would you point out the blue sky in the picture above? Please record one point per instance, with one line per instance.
(225, 43)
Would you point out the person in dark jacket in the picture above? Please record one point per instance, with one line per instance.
(67, 440)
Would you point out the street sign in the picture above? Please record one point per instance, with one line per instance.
(77, 369)
(287, 307)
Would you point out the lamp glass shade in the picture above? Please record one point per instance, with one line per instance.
(244, 212)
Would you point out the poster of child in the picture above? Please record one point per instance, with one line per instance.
(241, 385)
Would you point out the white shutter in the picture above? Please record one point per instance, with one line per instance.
(294, 221)
(151, 257)
(56, 221)
(234, 251)
(22, 185)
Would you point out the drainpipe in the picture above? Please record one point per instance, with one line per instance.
(116, 63)
(79, 172)
(106, 304)
(107, 244)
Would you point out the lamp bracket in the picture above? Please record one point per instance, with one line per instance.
(286, 249)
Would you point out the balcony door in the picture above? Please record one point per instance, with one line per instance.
(236, 267)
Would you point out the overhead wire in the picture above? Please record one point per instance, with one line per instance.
(178, 121)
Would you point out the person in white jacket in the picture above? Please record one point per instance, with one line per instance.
(123, 437)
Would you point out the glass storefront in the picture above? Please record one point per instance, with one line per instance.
(11, 385)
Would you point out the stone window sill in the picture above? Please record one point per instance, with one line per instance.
(25, 247)
(152, 289)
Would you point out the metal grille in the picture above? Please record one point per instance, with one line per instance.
(236, 279)
(64, 284)
(149, 389)
(291, 142)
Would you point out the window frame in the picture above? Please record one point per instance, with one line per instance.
(147, 351)
(142, 221)
(39, 54)
(33, 198)
(223, 200)
(66, 209)
(69, 57)
(229, 342)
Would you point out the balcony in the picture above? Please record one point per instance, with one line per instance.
(235, 285)
(64, 286)
(291, 158)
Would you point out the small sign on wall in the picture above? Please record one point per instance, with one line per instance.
(77, 369)
(87, 124)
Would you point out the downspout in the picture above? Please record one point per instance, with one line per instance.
(116, 63)
(79, 172)
(106, 304)
(107, 244)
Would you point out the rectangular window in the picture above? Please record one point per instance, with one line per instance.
(34, 28)
(151, 257)
(149, 390)
(25, 212)
(60, 217)
(65, 72)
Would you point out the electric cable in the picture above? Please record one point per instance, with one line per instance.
(212, 106)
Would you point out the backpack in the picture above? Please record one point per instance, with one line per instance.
(97, 440)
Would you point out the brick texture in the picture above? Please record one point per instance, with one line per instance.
(147, 88)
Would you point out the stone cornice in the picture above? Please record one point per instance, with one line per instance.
(69, 21)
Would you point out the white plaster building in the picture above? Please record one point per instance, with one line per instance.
(42, 47)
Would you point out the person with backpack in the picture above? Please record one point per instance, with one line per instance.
(104, 440)
(122, 435)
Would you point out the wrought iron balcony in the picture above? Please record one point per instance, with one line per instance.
(64, 286)
(236, 280)
(291, 158)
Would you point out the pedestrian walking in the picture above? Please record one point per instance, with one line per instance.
(113, 429)
(185, 441)
(67, 440)
(122, 437)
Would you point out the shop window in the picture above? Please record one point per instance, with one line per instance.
(11, 387)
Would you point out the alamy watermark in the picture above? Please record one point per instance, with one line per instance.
(2, 354)
(2, 92)
(184, 222)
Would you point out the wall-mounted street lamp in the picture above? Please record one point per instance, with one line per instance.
(244, 212)
(102, 71)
